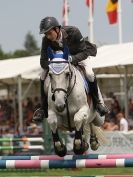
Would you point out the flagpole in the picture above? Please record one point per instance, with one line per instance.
(120, 21)
(120, 41)
(66, 13)
(91, 21)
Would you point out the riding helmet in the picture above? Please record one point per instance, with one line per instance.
(47, 24)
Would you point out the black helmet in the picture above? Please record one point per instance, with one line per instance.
(47, 24)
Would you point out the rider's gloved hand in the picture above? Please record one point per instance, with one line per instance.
(70, 58)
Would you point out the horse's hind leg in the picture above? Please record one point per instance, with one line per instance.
(93, 139)
(59, 147)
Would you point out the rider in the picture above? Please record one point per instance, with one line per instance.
(57, 36)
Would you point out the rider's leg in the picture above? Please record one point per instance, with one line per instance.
(92, 82)
(98, 105)
(42, 112)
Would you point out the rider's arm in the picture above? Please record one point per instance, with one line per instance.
(44, 57)
(82, 51)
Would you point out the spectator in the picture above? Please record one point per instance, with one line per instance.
(123, 123)
(116, 104)
(110, 125)
(130, 108)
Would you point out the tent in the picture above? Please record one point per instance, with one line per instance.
(115, 59)
(14, 71)
(110, 59)
(26, 67)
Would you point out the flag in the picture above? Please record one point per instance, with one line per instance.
(88, 4)
(65, 12)
(111, 9)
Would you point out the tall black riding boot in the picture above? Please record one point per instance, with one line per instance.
(42, 112)
(100, 107)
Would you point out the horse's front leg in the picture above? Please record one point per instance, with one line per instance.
(80, 119)
(59, 147)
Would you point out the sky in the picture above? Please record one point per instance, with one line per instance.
(17, 17)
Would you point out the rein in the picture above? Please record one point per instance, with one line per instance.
(67, 92)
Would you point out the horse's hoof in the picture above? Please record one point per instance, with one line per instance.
(94, 145)
(60, 150)
(86, 146)
(80, 147)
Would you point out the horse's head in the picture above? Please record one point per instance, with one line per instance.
(60, 76)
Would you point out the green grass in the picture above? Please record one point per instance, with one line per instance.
(69, 172)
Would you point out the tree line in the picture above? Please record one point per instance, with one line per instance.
(30, 48)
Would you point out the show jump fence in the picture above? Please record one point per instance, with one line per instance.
(16, 144)
(74, 163)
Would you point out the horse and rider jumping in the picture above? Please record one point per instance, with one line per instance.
(56, 105)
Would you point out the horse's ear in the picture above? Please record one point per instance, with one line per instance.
(50, 53)
(66, 53)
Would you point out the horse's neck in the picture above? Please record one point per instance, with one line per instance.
(77, 82)
(79, 78)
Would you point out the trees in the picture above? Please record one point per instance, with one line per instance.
(30, 44)
(30, 48)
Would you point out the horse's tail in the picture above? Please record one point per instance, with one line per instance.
(100, 134)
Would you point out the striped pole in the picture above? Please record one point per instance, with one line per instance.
(68, 157)
(89, 163)
(25, 139)
(2, 148)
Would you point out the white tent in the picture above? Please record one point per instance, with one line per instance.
(25, 67)
(115, 59)
(110, 59)
(13, 71)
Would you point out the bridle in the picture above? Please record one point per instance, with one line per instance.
(67, 91)
(70, 88)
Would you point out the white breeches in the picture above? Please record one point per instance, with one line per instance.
(89, 72)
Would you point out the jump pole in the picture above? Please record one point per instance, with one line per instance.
(83, 163)
(68, 157)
